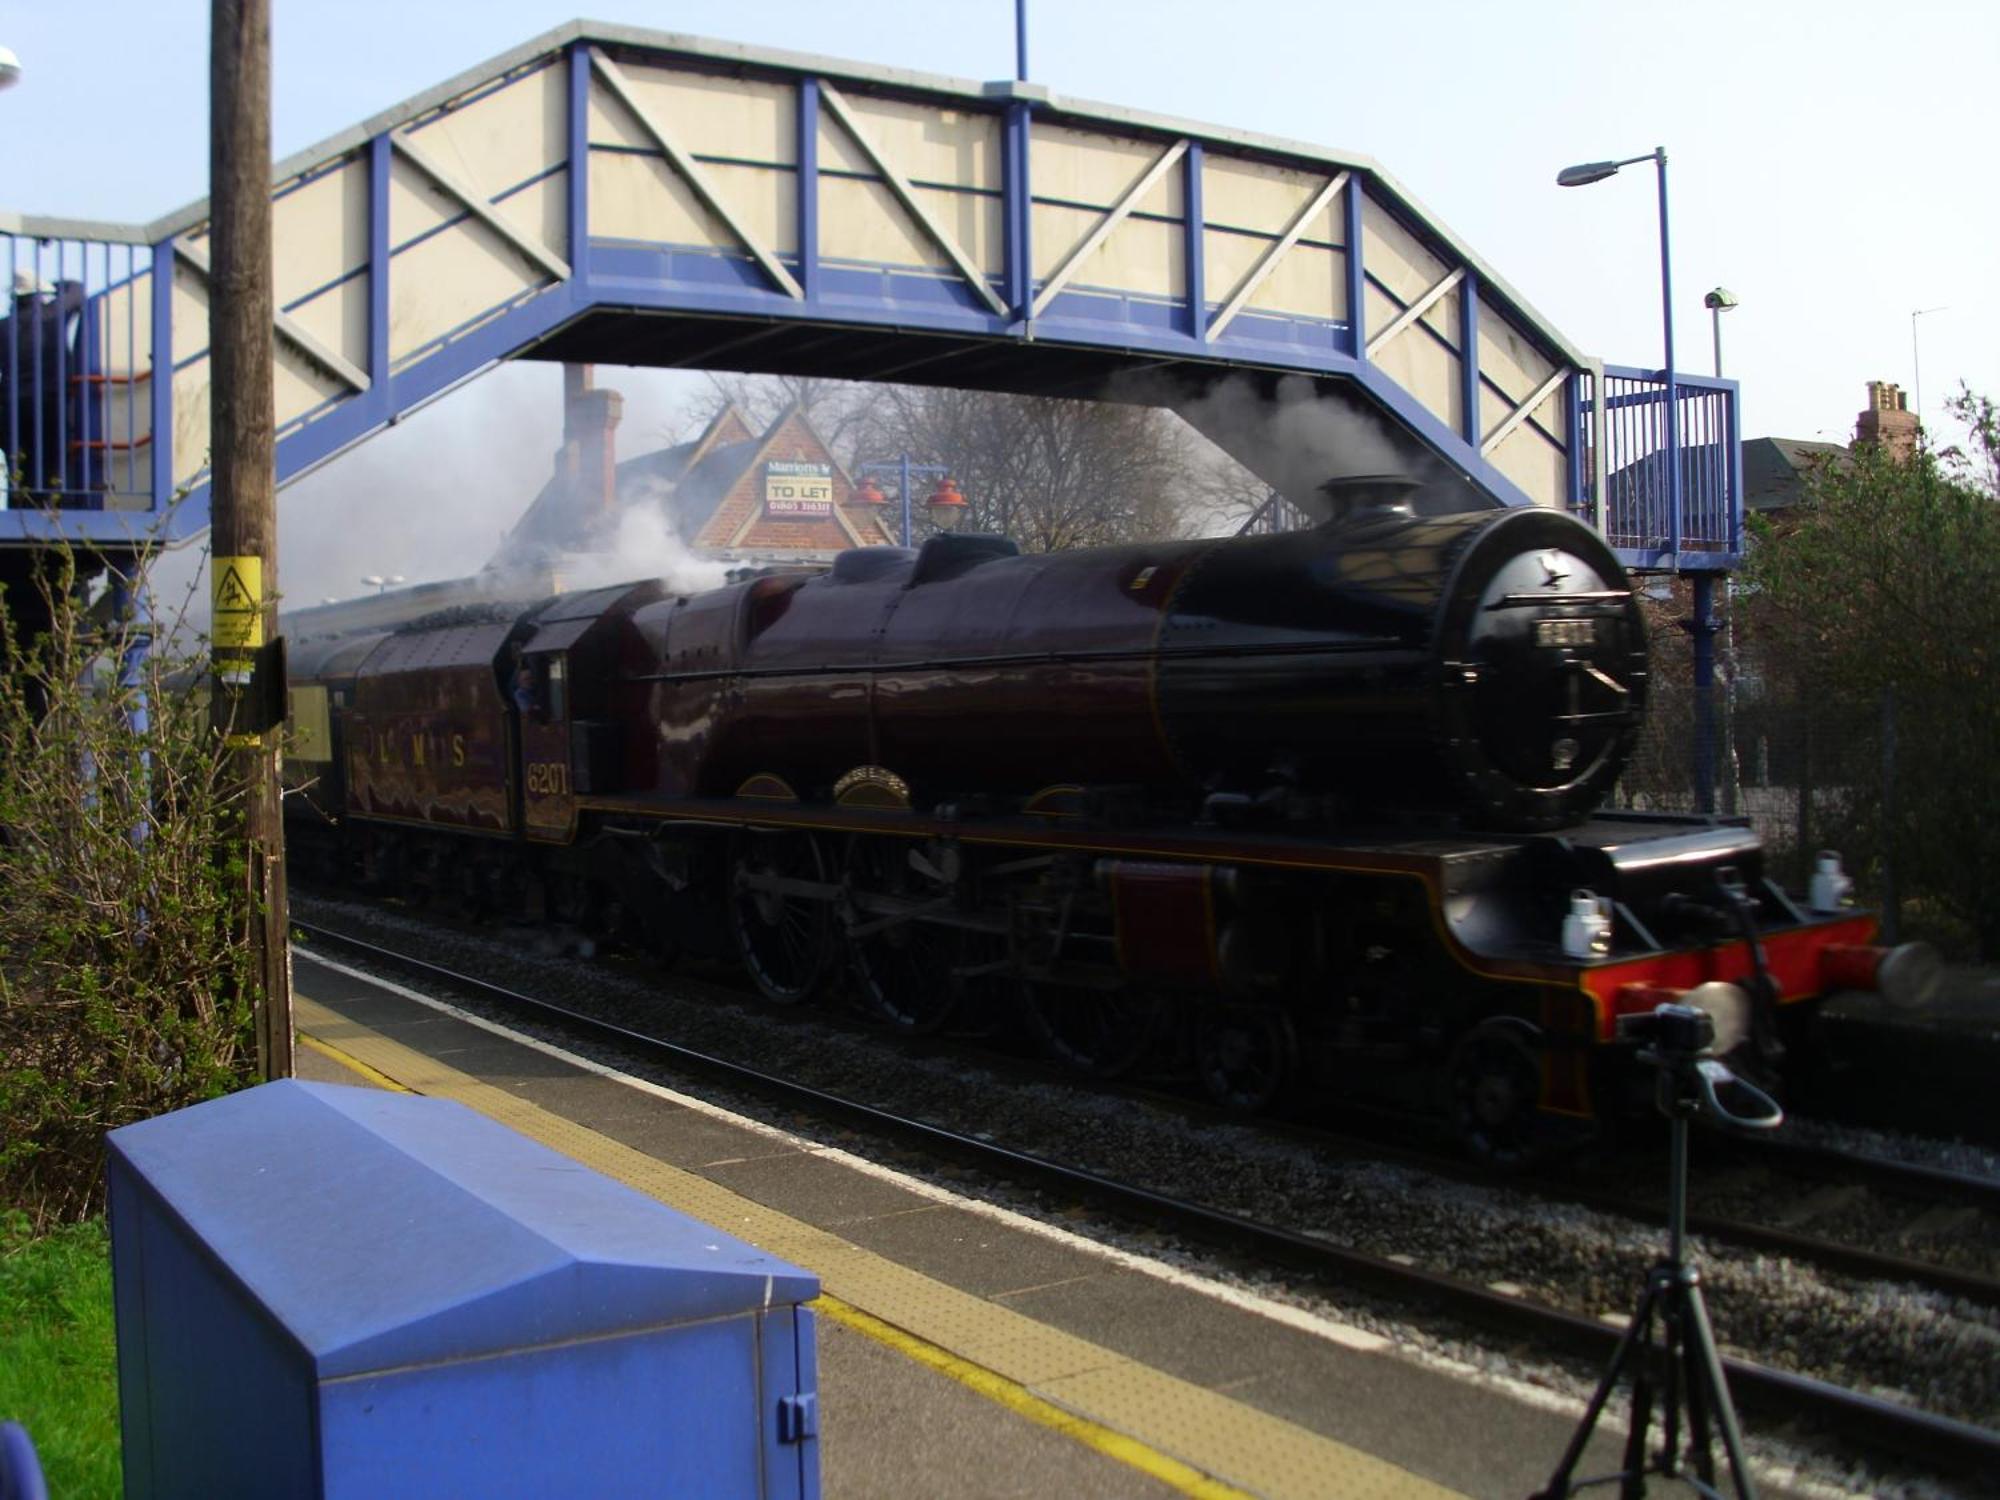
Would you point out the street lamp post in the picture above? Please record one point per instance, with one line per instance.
(1596, 171)
(1718, 302)
(946, 504)
(1702, 626)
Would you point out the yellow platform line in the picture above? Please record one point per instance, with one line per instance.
(353, 1064)
(1195, 1440)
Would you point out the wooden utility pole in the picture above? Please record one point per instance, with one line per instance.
(247, 688)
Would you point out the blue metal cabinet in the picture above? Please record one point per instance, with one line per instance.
(336, 1292)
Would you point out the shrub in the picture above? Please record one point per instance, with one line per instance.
(124, 992)
(1878, 598)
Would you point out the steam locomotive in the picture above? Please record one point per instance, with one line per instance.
(1314, 810)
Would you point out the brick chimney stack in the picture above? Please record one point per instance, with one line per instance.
(588, 460)
(1887, 421)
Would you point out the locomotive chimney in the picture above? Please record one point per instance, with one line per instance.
(1887, 421)
(1355, 497)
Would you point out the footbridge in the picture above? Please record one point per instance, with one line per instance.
(628, 197)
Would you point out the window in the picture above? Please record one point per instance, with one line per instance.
(558, 691)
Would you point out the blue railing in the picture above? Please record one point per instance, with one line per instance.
(1631, 494)
(77, 399)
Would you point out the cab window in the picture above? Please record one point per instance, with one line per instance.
(557, 697)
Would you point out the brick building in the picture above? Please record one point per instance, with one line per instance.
(732, 494)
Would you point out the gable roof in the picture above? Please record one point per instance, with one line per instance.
(1774, 470)
(710, 502)
(690, 479)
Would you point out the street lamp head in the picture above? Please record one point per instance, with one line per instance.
(10, 68)
(1720, 300)
(947, 505)
(1586, 173)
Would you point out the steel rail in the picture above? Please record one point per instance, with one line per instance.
(1875, 1171)
(1936, 1441)
(1852, 1260)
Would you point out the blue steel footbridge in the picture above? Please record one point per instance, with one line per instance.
(618, 196)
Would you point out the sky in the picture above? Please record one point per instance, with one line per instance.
(1825, 158)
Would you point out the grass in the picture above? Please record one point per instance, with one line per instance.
(58, 1353)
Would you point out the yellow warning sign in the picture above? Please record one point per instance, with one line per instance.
(237, 602)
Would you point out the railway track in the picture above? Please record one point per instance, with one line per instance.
(1828, 1179)
(1937, 1442)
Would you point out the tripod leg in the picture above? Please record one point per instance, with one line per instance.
(1717, 1390)
(1670, 1401)
(1638, 1335)
(1633, 1474)
(1696, 1375)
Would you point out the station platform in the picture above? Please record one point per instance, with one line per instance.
(964, 1350)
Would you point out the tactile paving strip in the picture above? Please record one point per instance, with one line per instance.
(1212, 1434)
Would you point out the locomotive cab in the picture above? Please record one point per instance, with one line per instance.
(571, 742)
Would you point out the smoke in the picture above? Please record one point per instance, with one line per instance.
(428, 498)
(644, 545)
(1295, 436)
(1292, 438)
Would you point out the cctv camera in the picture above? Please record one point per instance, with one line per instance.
(1721, 297)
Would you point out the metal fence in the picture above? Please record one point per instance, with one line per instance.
(1808, 774)
(1637, 503)
(76, 400)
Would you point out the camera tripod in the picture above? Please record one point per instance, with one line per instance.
(1684, 1372)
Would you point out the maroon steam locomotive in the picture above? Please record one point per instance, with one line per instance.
(1313, 809)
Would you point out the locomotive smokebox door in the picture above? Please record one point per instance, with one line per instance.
(542, 699)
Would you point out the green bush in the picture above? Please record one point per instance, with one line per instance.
(1877, 601)
(124, 991)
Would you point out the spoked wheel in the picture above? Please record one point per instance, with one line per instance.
(470, 889)
(1493, 1084)
(786, 938)
(1244, 1054)
(576, 904)
(1103, 1032)
(903, 968)
(569, 899)
(422, 871)
(612, 922)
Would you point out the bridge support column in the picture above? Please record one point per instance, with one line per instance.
(1701, 628)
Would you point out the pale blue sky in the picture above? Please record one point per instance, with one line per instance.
(1827, 158)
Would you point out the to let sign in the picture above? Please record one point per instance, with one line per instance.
(794, 488)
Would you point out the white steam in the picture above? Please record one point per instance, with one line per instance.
(1295, 436)
(643, 545)
(1294, 439)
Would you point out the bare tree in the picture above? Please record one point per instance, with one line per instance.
(837, 409)
(1051, 474)
(1226, 497)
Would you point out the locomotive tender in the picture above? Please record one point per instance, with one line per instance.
(1314, 808)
